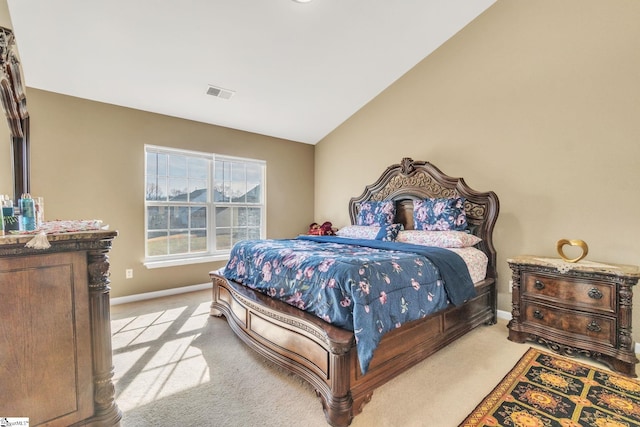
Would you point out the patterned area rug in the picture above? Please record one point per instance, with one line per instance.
(547, 390)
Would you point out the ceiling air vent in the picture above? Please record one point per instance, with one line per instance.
(220, 92)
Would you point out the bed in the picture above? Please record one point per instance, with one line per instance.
(327, 355)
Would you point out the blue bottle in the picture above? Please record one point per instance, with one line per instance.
(27, 213)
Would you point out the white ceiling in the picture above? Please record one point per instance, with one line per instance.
(298, 70)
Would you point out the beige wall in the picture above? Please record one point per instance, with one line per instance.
(87, 162)
(538, 101)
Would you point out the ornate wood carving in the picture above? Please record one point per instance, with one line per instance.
(515, 290)
(565, 350)
(14, 104)
(406, 165)
(625, 301)
(14, 100)
(104, 389)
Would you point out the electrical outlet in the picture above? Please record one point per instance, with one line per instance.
(129, 273)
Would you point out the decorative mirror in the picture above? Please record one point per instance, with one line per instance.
(14, 104)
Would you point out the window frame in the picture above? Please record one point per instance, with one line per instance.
(211, 253)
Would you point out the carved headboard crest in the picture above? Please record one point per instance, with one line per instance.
(406, 166)
(419, 179)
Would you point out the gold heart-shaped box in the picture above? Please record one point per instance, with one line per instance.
(580, 243)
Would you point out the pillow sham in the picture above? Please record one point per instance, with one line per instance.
(389, 233)
(441, 239)
(376, 213)
(359, 232)
(439, 214)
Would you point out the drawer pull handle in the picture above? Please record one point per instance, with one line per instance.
(594, 327)
(595, 293)
(538, 315)
(538, 285)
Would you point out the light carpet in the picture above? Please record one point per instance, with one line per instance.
(175, 365)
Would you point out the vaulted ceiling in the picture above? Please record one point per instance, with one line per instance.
(286, 69)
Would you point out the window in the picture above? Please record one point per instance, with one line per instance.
(198, 205)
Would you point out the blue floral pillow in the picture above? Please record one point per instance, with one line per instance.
(376, 213)
(439, 214)
(389, 233)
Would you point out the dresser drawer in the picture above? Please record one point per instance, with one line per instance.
(593, 327)
(590, 295)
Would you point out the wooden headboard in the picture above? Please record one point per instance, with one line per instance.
(414, 180)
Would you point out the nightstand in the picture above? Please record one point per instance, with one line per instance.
(575, 309)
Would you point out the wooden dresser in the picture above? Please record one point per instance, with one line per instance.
(579, 308)
(55, 331)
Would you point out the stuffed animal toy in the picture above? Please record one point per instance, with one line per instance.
(314, 229)
(326, 229)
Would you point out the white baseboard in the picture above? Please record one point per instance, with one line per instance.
(504, 315)
(158, 294)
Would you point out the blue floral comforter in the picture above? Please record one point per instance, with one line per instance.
(366, 286)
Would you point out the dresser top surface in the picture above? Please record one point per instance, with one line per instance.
(13, 239)
(582, 265)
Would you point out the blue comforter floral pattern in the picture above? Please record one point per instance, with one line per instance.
(368, 287)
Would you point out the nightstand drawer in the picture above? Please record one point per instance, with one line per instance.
(574, 292)
(592, 327)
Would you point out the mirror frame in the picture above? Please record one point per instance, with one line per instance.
(14, 104)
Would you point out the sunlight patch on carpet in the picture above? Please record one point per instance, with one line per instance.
(155, 355)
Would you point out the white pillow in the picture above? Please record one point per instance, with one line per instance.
(359, 232)
(441, 239)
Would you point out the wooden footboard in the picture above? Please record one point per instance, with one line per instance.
(325, 356)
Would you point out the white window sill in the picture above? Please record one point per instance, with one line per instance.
(186, 261)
